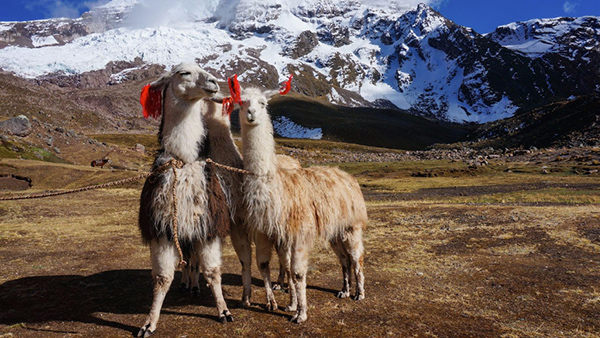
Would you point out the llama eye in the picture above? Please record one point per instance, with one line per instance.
(185, 73)
(263, 103)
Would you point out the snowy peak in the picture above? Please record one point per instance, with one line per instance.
(540, 36)
(349, 52)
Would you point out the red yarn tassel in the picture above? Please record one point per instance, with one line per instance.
(151, 102)
(286, 86)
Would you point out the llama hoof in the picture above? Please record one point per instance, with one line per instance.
(226, 317)
(279, 287)
(298, 319)
(359, 297)
(343, 294)
(145, 331)
(195, 292)
(290, 308)
(243, 304)
(183, 288)
(271, 306)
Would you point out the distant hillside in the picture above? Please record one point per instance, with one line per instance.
(569, 123)
(387, 128)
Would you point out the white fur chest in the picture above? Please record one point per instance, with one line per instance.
(184, 134)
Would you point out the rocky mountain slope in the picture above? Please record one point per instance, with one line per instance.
(340, 50)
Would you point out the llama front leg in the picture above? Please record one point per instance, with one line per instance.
(164, 259)
(243, 249)
(299, 267)
(264, 247)
(210, 260)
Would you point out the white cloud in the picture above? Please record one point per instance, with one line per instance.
(96, 3)
(569, 7)
(401, 3)
(154, 13)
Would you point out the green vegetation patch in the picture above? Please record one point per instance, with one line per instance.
(128, 140)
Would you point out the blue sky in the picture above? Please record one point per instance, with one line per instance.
(481, 15)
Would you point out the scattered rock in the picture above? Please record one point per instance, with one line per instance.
(18, 126)
(140, 149)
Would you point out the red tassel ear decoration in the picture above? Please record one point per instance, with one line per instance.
(234, 89)
(151, 102)
(227, 106)
(286, 86)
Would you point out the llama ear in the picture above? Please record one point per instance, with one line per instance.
(270, 93)
(151, 100)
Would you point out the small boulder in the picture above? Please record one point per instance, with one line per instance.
(140, 149)
(17, 126)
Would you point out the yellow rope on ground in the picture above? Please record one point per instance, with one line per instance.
(156, 171)
(173, 164)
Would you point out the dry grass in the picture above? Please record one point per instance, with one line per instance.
(481, 253)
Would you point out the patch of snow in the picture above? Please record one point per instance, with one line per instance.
(40, 41)
(287, 128)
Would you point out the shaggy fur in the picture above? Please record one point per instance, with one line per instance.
(295, 207)
(202, 206)
(224, 151)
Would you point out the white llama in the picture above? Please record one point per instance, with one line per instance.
(292, 208)
(201, 205)
(223, 150)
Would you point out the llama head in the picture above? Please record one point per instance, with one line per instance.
(253, 103)
(253, 109)
(187, 81)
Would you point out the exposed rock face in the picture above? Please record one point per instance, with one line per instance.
(305, 43)
(17, 126)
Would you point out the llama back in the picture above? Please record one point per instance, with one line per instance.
(333, 197)
(310, 202)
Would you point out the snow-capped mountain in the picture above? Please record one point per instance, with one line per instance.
(341, 50)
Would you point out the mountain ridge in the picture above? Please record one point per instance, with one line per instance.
(349, 53)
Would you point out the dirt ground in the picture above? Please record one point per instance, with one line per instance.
(439, 263)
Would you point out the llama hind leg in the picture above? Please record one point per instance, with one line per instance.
(264, 247)
(280, 285)
(299, 268)
(355, 248)
(344, 257)
(284, 254)
(194, 272)
(164, 259)
(209, 254)
(243, 249)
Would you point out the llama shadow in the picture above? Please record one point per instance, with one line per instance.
(76, 298)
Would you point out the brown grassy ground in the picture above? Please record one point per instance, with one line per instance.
(466, 253)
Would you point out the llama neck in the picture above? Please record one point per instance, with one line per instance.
(258, 148)
(183, 130)
(223, 148)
